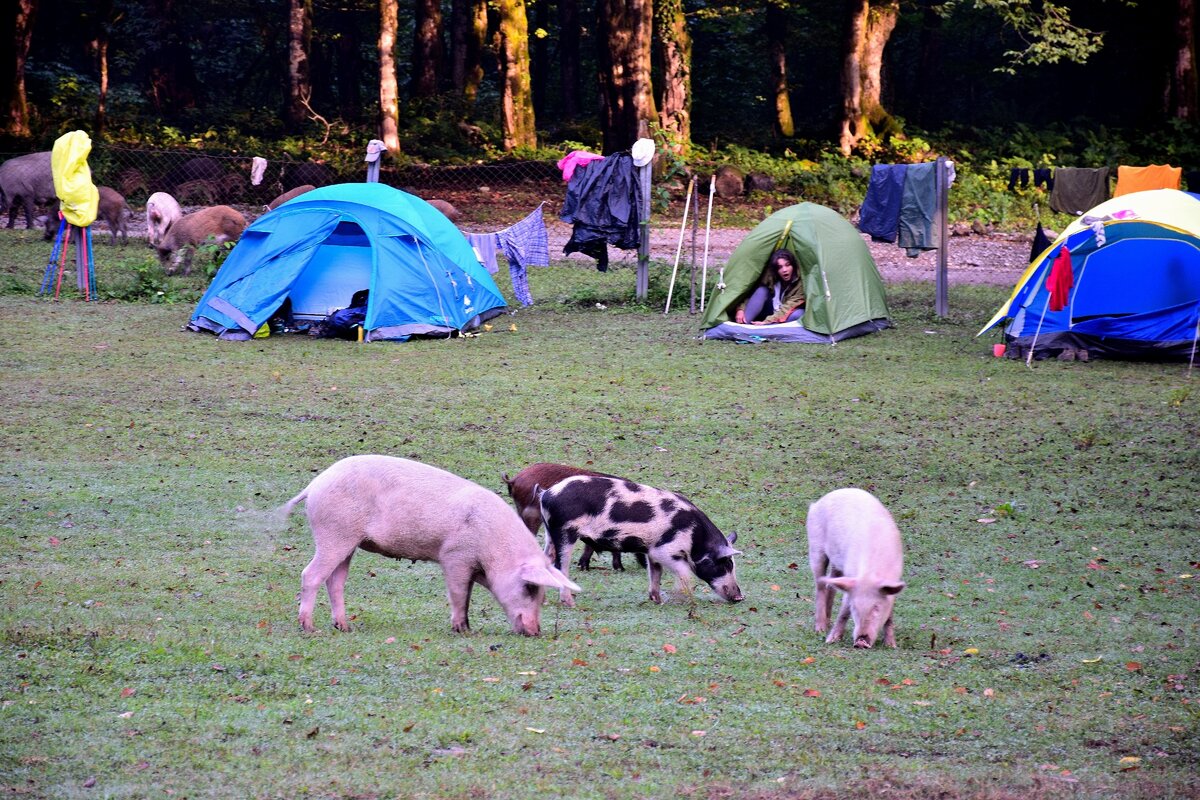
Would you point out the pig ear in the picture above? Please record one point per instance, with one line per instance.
(541, 575)
(733, 537)
(537, 492)
(893, 588)
(728, 552)
(843, 584)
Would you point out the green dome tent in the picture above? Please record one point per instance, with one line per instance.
(845, 296)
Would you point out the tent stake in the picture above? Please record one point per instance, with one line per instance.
(712, 185)
(679, 248)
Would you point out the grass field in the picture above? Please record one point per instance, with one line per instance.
(1048, 642)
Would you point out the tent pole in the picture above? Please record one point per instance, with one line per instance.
(687, 202)
(1192, 358)
(695, 233)
(712, 184)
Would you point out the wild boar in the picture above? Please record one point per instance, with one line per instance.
(28, 179)
(854, 547)
(112, 209)
(288, 195)
(405, 509)
(521, 490)
(161, 212)
(219, 223)
(664, 526)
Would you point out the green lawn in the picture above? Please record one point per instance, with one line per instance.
(1048, 634)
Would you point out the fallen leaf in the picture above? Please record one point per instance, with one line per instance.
(971, 651)
(1091, 660)
(812, 693)
(808, 660)
(90, 782)
(1132, 666)
(668, 648)
(390, 640)
(655, 669)
(989, 692)
(860, 724)
(491, 680)
(54, 542)
(125, 715)
(986, 520)
(699, 733)
(536, 730)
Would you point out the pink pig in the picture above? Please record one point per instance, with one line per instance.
(405, 509)
(854, 547)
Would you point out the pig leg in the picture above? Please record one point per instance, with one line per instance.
(459, 581)
(839, 626)
(335, 585)
(823, 601)
(324, 562)
(655, 570)
(585, 560)
(889, 633)
(563, 545)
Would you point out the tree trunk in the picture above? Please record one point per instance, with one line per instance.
(626, 97)
(516, 98)
(539, 54)
(427, 48)
(570, 86)
(675, 55)
(468, 36)
(389, 92)
(22, 36)
(871, 24)
(100, 45)
(299, 42)
(1183, 96)
(776, 35)
(173, 83)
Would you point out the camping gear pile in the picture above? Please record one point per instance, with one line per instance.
(1123, 280)
(841, 281)
(319, 249)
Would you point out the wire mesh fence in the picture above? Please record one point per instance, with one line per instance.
(196, 179)
(207, 178)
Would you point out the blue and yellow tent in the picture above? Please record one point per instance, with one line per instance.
(1135, 270)
(322, 247)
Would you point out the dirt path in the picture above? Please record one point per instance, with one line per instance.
(995, 259)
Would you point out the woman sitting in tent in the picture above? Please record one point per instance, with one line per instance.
(779, 297)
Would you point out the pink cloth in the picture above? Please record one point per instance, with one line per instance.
(574, 159)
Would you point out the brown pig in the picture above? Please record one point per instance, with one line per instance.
(405, 509)
(854, 547)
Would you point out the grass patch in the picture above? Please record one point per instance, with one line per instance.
(147, 611)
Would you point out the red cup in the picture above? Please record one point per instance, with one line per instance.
(998, 350)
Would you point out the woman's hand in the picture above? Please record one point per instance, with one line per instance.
(740, 317)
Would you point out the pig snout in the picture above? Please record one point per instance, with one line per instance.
(527, 625)
(733, 595)
(863, 642)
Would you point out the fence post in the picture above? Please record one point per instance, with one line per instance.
(643, 176)
(375, 149)
(941, 182)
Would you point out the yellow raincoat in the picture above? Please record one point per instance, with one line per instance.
(78, 197)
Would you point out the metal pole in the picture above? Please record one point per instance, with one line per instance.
(695, 233)
(942, 302)
(687, 204)
(712, 182)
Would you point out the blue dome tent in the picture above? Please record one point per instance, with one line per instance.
(1132, 288)
(317, 250)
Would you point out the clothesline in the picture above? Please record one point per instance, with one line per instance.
(524, 244)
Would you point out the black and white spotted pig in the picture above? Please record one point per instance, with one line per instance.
(633, 518)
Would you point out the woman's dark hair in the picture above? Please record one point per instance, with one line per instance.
(772, 273)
